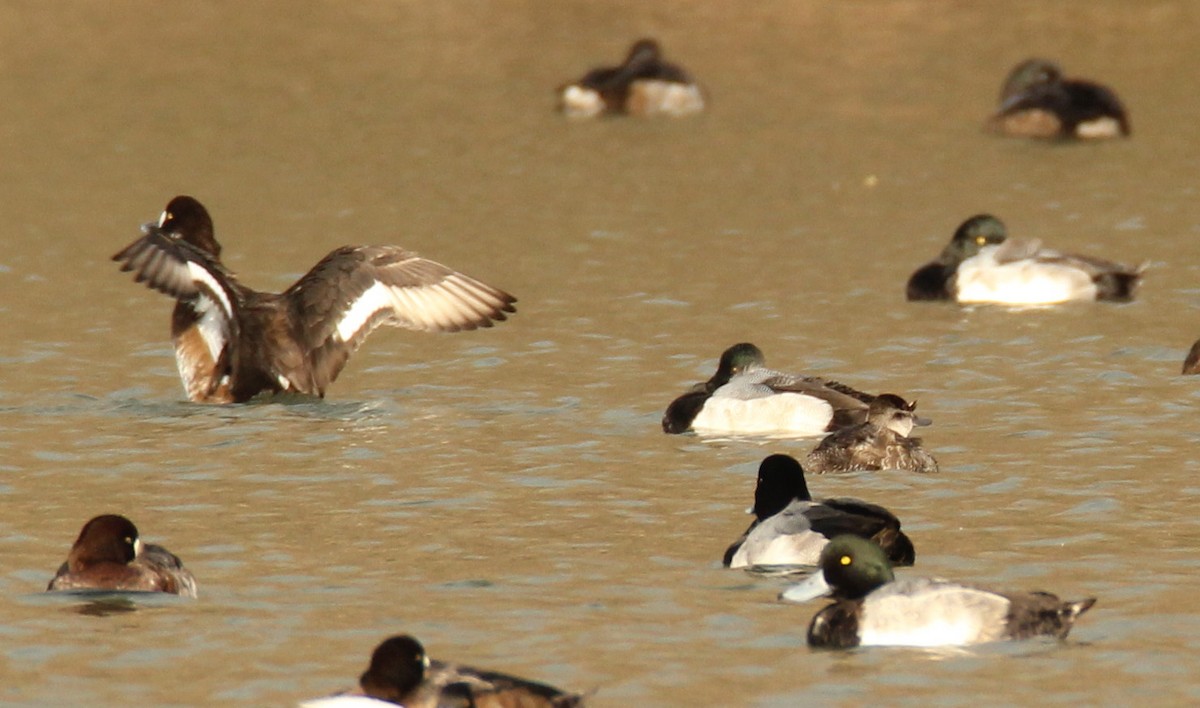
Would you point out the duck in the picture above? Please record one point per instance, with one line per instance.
(982, 265)
(881, 442)
(1036, 101)
(744, 397)
(643, 85)
(233, 343)
(872, 608)
(109, 555)
(401, 673)
(791, 528)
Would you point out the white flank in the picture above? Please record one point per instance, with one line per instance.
(802, 548)
(213, 326)
(580, 102)
(781, 413)
(376, 298)
(1106, 127)
(201, 275)
(982, 278)
(926, 613)
(665, 97)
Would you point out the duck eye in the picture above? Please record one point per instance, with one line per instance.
(845, 560)
(980, 240)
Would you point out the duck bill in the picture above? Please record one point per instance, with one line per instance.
(921, 422)
(810, 588)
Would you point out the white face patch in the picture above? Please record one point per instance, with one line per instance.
(162, 218)
(137, 547)
(901, 424)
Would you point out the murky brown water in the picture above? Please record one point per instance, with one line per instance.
(507, 495)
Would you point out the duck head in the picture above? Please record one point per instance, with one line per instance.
(849, 568)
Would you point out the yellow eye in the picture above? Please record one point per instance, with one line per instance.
(980, 240)
(845, 560)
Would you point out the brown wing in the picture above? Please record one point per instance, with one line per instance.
(176, 268)
(838, 395)
(355, 289)
(490, 689)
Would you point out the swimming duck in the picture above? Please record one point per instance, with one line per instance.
(872, 608)
(745, 397)
(233, 343)
(109, 555)
(982, 265)
(882, 442)
(790, 528)
(1037, 102)
(402, 674)
(644, 85)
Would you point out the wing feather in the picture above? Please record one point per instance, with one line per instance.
(176, 268)
(356, 289)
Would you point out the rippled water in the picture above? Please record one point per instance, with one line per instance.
(507, 495)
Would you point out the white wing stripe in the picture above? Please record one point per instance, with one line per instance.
(454, 303)
(375, 298)
(199, 273)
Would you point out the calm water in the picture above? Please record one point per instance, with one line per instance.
(507, 495)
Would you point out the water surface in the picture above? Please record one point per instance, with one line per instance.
(507, 495)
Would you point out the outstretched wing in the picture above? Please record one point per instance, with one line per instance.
(205, 322)
(355, 289)
(174, 267)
